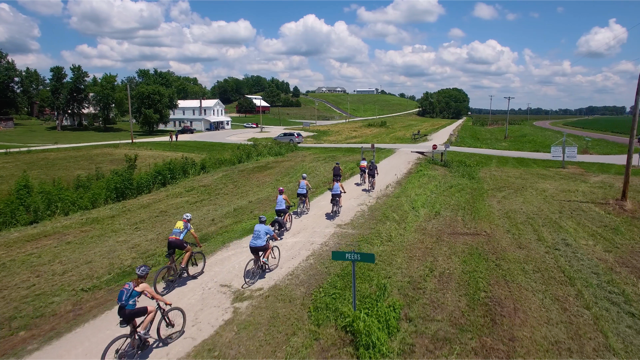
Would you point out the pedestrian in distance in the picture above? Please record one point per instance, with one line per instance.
(177, 136)
(170, 136)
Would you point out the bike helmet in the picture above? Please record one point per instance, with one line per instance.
(281, 190)
(143, 270)
(262, 219)
(372, 162)
(186, 216)
(337, 163)
(304, 176)
(364, 159)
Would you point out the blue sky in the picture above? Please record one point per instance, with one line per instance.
(551, 54)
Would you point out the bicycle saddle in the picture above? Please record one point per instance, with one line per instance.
(124, 323)
(170, 253)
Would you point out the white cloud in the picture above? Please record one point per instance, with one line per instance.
(511, 16)
(485, 12)
(34, 60)
(43, 7)
(543, 68)
(534, 15)
(351, 7)
(560, 9)
(311, 37)
(602, 42)
(390, 33)
(18, 33)
(627, 69)
(114, 18)
(456, 33)
(345, 71)
(403, 12)
(222, 32)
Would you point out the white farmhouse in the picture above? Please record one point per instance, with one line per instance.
(199, 114)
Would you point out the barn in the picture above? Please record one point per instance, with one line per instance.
(261, 105)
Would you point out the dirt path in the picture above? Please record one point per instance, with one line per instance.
(207, 300)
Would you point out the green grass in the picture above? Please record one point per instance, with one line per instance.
(519, 118)
(62, 272)
(528, 137)
(38, 132)
(368, 105)
(613, 124)
(487, 258)
(398, 130)
(284, 114)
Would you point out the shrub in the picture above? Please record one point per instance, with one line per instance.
(382, 123)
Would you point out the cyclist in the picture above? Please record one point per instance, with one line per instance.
(372, 172)
(130, 312)
(363, 169)
(281, 207)
(176, 239)
(303, 189)
(336, 192)
(337, 172)
(258, 241)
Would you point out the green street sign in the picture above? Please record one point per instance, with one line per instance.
(353, 256)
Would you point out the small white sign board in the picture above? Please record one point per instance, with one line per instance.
(571, 153)
(446, 146)
(306, 124)
(556, 153)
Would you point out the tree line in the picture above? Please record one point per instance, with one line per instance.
(450, 103)
(583, 111)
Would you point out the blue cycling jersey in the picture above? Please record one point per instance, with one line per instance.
(260, 233)
(180, 230)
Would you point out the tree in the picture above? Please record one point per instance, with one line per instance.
(272, 96)
(58, 89)
(412, 97)
(450, 103)
(77, 94)
(296, 92)
(31, 83)
(104, 99)
(151, 106)
(402, 95)
(246, 105)
(9, 84)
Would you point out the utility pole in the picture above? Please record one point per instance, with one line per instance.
(348, 107)
(260, 108)
(490, 103)
(316, 113)
(549, 114)
(632, 139)
(130, 117)
(528, 111)
(506, 133)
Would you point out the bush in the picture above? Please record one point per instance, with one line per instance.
(382, 123)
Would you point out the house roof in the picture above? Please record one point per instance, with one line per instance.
(331, 88)
(219, 118)
(369, 89)
(260, 102)
(196, 103)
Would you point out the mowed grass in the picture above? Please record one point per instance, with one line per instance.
(503, 117)
(62, 272)
(612, 124)
(528, 137)
(368, 105)
(398, 130)
(283, 115)
(39, 132)
(489, 258)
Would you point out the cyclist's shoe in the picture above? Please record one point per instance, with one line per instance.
(144, 334)
(265, 261)
(182, 271)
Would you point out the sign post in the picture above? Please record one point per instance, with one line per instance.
(564, 152)
(354, 257)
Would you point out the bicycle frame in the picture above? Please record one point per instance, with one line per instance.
(173, 260)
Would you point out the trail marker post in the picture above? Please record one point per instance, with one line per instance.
(354, 257)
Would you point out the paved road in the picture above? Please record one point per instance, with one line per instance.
(619, 139)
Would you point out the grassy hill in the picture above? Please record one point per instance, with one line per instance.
(368, 105)
(306, 112)
(610, 124)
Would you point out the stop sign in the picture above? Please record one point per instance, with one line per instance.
(434, 147)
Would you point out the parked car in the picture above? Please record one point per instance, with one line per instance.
(186, 130)
(290, 137)
(249, 125)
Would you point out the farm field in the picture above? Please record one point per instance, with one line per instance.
(368, 105)
(500, 120)
(618, 125)
(467, 266)
(39, 132)
(391, 130)
(306, 112)
(528, 137)
(68, 284)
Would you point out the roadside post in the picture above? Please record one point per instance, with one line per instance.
(354, 257)
(434, 147)
(446, 147)
(373, 149)
(564, 152)
(587, 141)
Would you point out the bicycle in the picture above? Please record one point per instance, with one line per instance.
(336, 208)
(255, 267)
(371, 187)
(289, 223)
(130, 346)
(362, 175)
(167, 277)
(302, 205)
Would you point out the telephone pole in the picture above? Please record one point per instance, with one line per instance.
(130, 117)
(506, 133)
(490, 103)
(528, 111)
(632, 139)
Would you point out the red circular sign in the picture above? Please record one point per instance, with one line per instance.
(434, 147)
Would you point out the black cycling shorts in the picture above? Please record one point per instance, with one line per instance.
(281, 212)
(303, 195)
(258, 249)
(337, 177)
(336, 196)
(372, 175)
(363, 170)
(177, 244)
(128, 315)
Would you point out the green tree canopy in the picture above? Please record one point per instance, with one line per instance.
(451, 103)
(31, 84)
(77, 93)
(245, 106)
(151, 105)
(58, 90)
(296, 92)
(104, 99)
(272, 96)
(9, 85)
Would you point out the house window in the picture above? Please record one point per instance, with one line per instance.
(194, 112)
(191, 123)
(174, 124)
(173, 112)
(205, 112)
(182, 112)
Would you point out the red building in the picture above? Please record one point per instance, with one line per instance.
(261, 105)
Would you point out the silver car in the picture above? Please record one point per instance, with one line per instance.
(290, 137)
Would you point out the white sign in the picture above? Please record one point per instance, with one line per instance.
(306, 124)
(556, 153)
(571, 153)
(446, 146)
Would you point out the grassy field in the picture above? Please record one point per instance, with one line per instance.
(368, 105)
(62, 272)
(398, 130)
(283, 115)
(500, 120)
(39, 132)
(612, 124)
(528, 137)
(491, 257)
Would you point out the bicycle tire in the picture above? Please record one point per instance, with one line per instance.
(167, 276)
(274, 258)
(173, 315)
(196, 260)
(118, 353)
(251, 273)
(289, 224)
(300, 211)
(361, 179)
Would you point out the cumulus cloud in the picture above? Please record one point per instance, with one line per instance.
(390, 33)
(34, 60)
(539, 67)
(485, 12)
(351, 7)
(602, 42)
(43, 7)
(511, 16)
(114, 18)
(403, 12)
(18, 33)
(456, 33)
(560, 9)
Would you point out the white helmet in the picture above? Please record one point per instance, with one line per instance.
(304, 176)
(186, 216)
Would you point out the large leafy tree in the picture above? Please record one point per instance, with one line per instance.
(77, 93)
(452, 103)
(9, 85)
(152, 105)
(104, 99)
(246, 105)
(296, 92)
(58, 90)
(31, 84)
(272, 96)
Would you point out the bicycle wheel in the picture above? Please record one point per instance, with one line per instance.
(251, 272)
(171, 325)
(197, 261)
(119, 348)
(274, 258)
(300, 211)
(165, 280)
(361, 179)
(289, 223)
